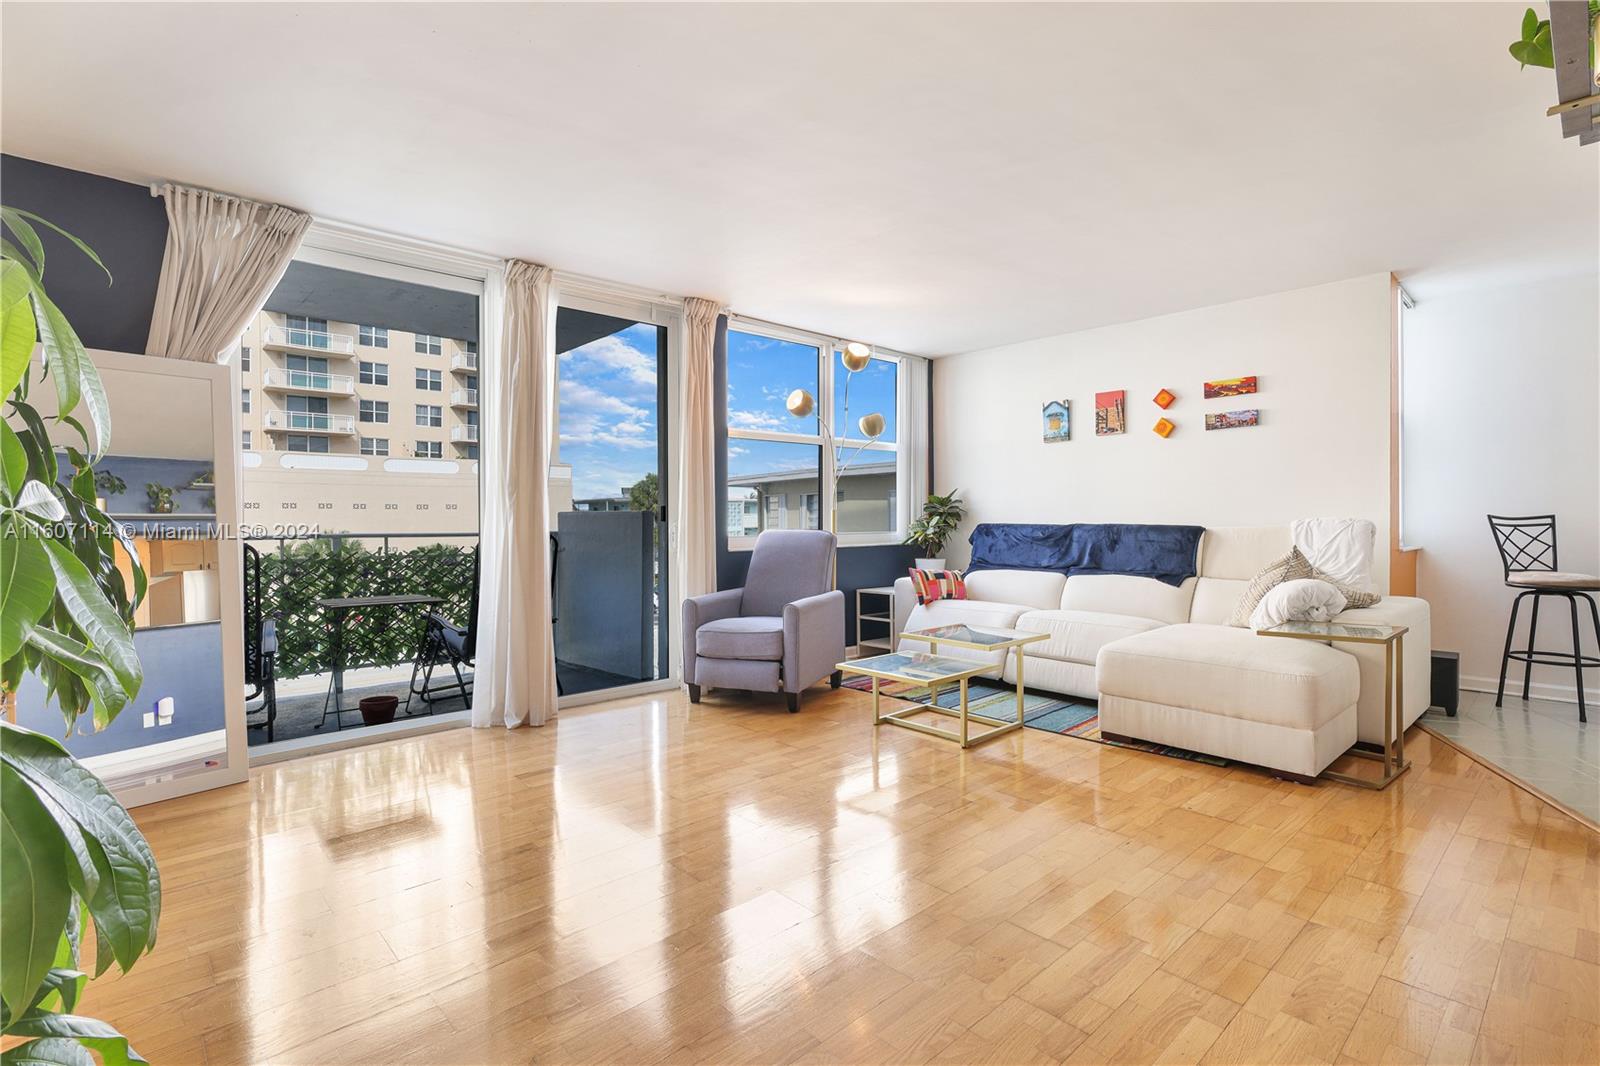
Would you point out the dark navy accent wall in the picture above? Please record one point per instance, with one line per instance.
(864, 566)
(183, 662)
(122, 222)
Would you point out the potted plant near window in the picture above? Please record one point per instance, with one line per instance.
(940, 517)
(72, 856)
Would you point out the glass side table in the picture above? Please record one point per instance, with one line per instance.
(1392, 638)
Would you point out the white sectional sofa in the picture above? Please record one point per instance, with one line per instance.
(1166, 667)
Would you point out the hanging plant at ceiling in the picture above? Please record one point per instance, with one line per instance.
(1534, 47)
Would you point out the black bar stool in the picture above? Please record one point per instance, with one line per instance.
(1527, 546)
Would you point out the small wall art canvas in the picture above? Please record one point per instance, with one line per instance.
(1233, 419)
(1230, 387)
(1164, 398)
(1057, 421)
(1164, 427)
(1110, 413)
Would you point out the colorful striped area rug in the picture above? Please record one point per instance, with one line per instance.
(1040, 710)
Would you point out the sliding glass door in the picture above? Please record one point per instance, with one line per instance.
(608, 497)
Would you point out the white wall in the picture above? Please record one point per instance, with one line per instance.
(1501, 391)
(1322, 448)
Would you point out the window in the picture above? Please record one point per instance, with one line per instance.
(428, 344)
(303, 442)
(375, 445)
(374, 336)
(469, 452)
(430, 380)
(244, 401)
(470, 347)
(774, 458)
(374, 373)
(430, 449)
(430, 414)
(374, 411)
(244, 357)
(244, 439)
(307, 332)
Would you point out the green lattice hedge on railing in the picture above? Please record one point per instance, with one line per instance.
(297, 574)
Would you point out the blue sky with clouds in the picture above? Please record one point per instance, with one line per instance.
(609, 419)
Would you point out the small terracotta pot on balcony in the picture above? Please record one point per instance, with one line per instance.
(377, 710)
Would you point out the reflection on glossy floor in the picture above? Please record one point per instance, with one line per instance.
(1540, 742)
(652, 881)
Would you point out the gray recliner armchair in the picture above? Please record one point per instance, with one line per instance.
(780, 633)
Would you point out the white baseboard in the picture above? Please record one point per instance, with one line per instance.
(1539, 690)
(120, 769)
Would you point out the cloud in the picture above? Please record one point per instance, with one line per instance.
(588, 427)
(616, 355)
(756, 420)
(578, 396)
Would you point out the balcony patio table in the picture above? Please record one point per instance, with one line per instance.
(339, 607)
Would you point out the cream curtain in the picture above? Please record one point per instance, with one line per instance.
(696, 544)
(515, 677)
(224, 256)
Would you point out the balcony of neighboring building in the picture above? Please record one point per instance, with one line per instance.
(466, 398)
(464, 434)
(308, 382)
(308, 341)
(464, 362)
(309, 422)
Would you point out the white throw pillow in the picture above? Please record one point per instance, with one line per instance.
(1301, 600)
(1342, 548)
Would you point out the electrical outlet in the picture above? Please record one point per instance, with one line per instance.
(165, 707)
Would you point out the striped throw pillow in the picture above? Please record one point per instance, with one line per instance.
(1292, 567)
(934, 585)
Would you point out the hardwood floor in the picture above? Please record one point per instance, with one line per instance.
(652, 881)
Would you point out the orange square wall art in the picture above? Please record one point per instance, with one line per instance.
(1230, 387)
(1164, 399)
(1164, 427)
(1110, 413)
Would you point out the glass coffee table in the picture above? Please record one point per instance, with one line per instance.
(1392, 638)
(934, 670)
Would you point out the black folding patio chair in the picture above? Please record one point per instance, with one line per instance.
(445, 642)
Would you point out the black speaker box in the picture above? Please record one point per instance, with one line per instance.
(1446, 688)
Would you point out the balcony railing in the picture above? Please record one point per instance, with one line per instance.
(464, 398)
(464, 362)
(308, 381)
(309, 340)
(309, 422)
(464, 434)
(287, 579)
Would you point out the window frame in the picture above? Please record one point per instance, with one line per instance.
(372, 376)
(431, 447)
(372, 336)
(828, 349)
(429, 344)
(426, 379)
(379, 412)
(435, 416)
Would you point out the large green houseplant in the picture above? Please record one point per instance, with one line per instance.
(70, 855)
(937, 524)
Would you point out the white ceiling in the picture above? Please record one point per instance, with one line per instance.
(935, 178)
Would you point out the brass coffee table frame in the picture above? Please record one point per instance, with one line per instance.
(1393, 755)
(965, 714)
(934, 639)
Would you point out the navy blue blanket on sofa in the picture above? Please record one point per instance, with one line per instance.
(1165, 553)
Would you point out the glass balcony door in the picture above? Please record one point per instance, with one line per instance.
(608, 498)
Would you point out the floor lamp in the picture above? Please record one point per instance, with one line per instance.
(855, 357)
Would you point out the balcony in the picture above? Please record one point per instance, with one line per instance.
(464, 434)
(464, 398)
(309, 422)
(308, 382)
(464, 362)
(308, 341)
